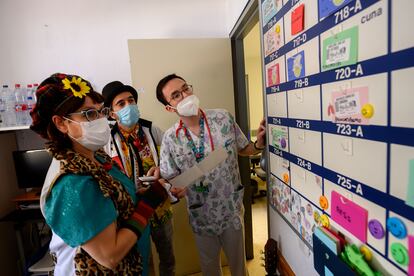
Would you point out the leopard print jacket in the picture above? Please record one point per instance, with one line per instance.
(74, 163)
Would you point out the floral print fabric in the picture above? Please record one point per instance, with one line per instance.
(221, 204)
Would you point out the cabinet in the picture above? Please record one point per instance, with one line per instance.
(11, 139)
(32, 235)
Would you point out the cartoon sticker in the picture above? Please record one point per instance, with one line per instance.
(296, 66)
(270, 8)
(273, 75)
(327, 7)
(279, 137)
(272, 40)
(345, 106)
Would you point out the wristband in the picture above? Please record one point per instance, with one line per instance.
(144, 209)
(136, 223)
(255, 146)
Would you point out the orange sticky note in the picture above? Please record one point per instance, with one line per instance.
(297, 19)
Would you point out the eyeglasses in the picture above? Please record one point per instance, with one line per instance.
(93, 114)
(178, 94)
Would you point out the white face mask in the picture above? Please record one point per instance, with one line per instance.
(95, 134)
(188, 106)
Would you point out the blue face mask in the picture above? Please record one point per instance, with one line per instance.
(129, 115)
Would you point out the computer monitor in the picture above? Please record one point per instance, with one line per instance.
(31, 167)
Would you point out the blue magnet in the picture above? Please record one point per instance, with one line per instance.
(397, 227)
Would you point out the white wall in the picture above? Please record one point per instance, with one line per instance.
(89, 38)
(234, 9)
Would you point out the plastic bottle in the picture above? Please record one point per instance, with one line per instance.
(31, 102)
(3, 106)
(19, 105)
(35, 86)
(9, 112)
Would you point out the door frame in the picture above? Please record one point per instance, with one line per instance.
(244, 24)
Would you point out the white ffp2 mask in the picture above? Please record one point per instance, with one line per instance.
(95, 134)
(188, 106)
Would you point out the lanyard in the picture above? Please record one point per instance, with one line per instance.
(198, 152)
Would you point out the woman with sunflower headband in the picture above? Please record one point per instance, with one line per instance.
(92, 208)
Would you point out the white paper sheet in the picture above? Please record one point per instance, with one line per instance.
(199, 169)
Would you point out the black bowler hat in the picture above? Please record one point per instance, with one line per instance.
(113, 89)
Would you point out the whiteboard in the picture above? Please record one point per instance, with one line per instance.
(339, 99)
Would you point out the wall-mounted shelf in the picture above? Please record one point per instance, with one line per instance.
(13, 128)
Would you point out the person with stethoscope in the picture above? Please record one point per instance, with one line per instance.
(215, 202)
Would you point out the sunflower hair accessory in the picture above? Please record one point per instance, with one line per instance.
(78, 87)
(53, 93)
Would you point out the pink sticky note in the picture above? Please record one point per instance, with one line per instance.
(411, 254)
(348, 104)
(349, 215)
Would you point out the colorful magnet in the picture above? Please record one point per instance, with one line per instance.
(283, 143)
(286, 177)
(323, 202)
(277, 29)
(367, 110)
(376, 229)
(316, 217)
(397, 227)
(400, 253)
(366, 253)
(325, 221)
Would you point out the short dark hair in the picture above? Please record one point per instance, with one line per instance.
(162, 83)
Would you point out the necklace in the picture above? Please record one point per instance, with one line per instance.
(198, 151)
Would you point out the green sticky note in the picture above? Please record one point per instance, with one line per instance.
(410, 188)
(340, 49)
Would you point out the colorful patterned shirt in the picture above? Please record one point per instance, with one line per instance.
(136, 152)
(220, 205)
